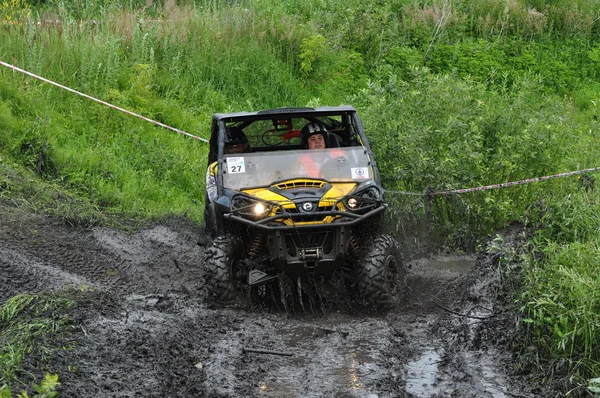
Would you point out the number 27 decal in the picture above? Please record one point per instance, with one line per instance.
(236, 165)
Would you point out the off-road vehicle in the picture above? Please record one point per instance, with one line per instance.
(284, 214)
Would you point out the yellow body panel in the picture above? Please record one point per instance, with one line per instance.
(265, 194)
(337, 191)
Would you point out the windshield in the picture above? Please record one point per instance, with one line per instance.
(251, 170)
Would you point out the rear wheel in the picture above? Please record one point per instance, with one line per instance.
(380, 274)
(219, 263)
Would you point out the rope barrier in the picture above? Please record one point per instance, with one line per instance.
(496, 186)
(404, 193)
(428, 194)
(103, 102)
(513, 183)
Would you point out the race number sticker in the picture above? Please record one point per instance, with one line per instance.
(236, 165)
(359, 173)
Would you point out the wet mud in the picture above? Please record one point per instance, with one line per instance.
(144, 328)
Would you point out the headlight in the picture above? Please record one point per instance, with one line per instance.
(352, 203)
(364, 200)
(259, 209)
(249, 207)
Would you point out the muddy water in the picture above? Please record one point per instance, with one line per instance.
(333, 357)
(416, 350)
(422, 373)
(146, 329)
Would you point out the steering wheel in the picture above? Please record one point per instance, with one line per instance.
(273, 137)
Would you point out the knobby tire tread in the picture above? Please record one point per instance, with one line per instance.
(218, 264)
(374, 277)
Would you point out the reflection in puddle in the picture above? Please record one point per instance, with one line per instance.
(338, 370)
(346, 375)
(422, 374)
(424, 379)
(354, 373)
(276, 389)
(490, 378)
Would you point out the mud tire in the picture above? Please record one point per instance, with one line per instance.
(380, 274)
(219, 263)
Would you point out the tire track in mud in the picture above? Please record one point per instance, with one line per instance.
(328, 357)
(146, 329)
(20, 273)
(452, 359)
(416, 350)
(148, 261)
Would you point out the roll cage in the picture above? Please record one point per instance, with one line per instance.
(279, 130)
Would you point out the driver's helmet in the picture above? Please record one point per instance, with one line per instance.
(235, 140)
(311, 129)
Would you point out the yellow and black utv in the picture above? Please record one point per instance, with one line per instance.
(281, 214)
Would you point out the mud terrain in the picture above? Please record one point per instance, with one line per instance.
(143, 327)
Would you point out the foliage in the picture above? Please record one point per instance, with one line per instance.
(12, 11)
(566, 312)
(343, 71)
(27, 322)
(561, 297)
(454, 133)
(46, 389)
(312, 48)
(594, 387)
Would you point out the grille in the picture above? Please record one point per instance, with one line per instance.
(300, 184)
(306, 218)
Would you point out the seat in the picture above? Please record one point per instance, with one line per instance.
(332, 141)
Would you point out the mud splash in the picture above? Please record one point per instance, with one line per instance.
(145, 329)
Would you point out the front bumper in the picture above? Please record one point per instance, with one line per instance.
(275, 223)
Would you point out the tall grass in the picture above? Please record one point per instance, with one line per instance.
(178, 70)
(561, 299)
(457, 134)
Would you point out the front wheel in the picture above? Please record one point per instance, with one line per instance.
(219, 262)
(381, 274)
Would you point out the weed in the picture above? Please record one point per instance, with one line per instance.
(594, 387)
(46, 389)
(26, 322)
(13, 11)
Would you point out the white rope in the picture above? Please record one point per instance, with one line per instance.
(102, 102)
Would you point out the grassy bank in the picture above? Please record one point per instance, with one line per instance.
(453, 95)
(28, 324)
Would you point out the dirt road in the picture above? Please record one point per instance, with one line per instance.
(142, 326)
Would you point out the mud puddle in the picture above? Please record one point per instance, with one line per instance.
(416, 350)
(335, 356)
(422, 373)
(146, 330)
(426, 375)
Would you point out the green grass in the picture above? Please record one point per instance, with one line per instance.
(27, 323)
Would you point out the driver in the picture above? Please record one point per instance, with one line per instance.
(235, 142)
(314, 136)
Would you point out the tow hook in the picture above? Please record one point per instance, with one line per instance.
(310, 254)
